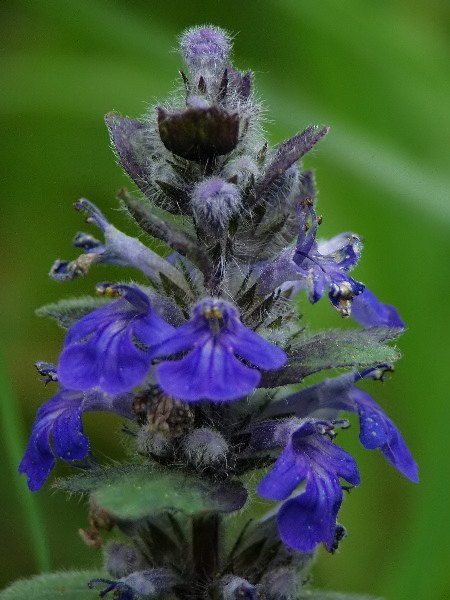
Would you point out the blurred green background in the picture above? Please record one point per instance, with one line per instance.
(378, 73)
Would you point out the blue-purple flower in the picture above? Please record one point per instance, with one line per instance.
(239, 218)
(324, 264)
(110, 348)
(378, 431)
(58, 431)
(217, 343)
(308, 518)
(340, 394)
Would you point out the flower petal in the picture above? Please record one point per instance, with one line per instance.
(109, 360)
(39, 459)
(368, 311)
(286, 474)
(184, 337)
(254, 348)
(344, 250)
(310, 518)
(69, 441)
(332, 458)
(210, 372)
(378, 431)
(110, 347)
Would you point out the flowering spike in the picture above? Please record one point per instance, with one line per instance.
(196, 361)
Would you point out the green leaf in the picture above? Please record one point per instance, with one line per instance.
(69, 585)
(319, 595)
(336, 349)
(135, 491)
(134, 497)
(66, 312)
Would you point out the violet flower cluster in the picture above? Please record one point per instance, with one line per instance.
(196, 353)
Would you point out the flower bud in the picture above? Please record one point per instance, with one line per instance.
(205, 448)
(280, 584)
(243, 169)
(214, 201)
(197, 102)
(121, 560)
(205, 48)
(153, 442)
(236, 588)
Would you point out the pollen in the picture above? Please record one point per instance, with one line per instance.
(107, 290)
(217, 312)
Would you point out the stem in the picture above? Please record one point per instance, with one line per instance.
(207, 544)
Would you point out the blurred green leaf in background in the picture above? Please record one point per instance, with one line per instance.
(378, 73)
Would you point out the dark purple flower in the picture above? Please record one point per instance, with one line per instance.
(370, 312)
(109, 348)
(324, 264)
(378, 431)
(199, 133)
(309, 518)
(217, 342)
(60, 419)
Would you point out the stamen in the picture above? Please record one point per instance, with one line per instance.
(107, 289)
(217, 312)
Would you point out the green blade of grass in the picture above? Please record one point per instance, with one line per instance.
(13, 436)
